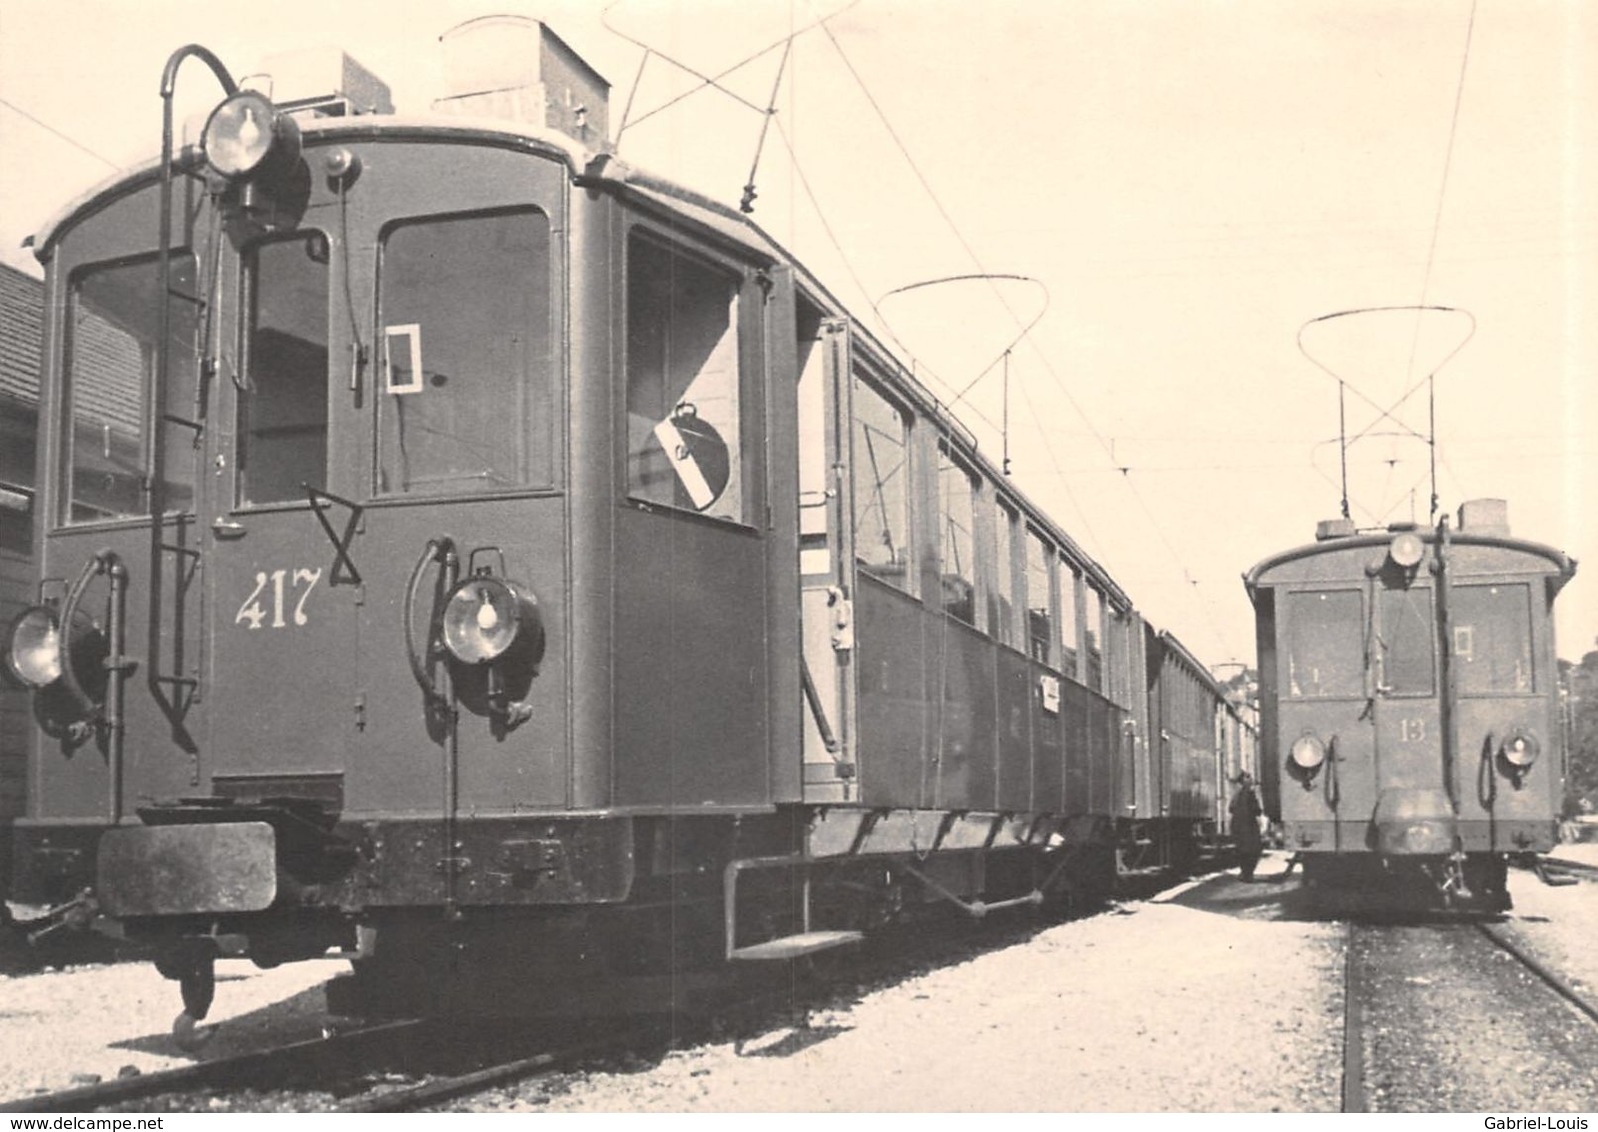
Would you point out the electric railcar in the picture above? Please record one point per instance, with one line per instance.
(467, 552)
(1409, 704)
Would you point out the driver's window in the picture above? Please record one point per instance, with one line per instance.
(466, 362)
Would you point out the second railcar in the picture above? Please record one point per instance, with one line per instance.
(1409, 697)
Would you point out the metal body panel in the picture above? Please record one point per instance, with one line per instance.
(964, 729)
(690, 668)
(1015, 697)
(890, 667)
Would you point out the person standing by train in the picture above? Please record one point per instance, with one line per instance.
(1245, 811)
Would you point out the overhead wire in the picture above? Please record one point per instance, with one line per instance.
(48, 128)
(965, 244)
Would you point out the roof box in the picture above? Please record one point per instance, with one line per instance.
(1334, 528)
(1484, 517)
(324, 81)
(515, 67)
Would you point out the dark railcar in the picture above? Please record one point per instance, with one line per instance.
(548, 583)
(1409, 693)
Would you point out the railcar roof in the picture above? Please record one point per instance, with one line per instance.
(1562, 565)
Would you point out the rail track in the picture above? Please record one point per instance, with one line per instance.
(320, 1056)
(1363, 979)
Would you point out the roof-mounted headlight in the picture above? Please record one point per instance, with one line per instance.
(1406, 550)
(487, 617)
(246, 136)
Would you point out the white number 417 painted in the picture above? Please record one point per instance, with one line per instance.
(252, 614)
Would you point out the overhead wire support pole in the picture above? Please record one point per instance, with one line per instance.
(1345, 442)
(1342, 439)
(747, 204)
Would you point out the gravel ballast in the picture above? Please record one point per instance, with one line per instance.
(1216, 996)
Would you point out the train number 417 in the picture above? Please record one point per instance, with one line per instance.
(285, 584)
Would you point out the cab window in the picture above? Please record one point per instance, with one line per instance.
(685, 409)
(282, 424)
(113, 318)
(1405, 642)
(1492, 638)
(1324, 650)
(465, 355)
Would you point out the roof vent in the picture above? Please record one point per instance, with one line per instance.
(322, 82)
(1484, 517)
(515, 67)
(1334, 528)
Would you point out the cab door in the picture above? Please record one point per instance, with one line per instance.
(1405, 716)
(281, 591)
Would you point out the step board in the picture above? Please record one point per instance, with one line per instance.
(793, 946)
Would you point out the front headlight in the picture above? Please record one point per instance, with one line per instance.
(33, 653)
(1307, 752)
(1520, 749)
(485, 617)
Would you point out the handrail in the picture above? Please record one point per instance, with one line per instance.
(442, 551)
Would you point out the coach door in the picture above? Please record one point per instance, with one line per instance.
(826, 559)
(281, 590)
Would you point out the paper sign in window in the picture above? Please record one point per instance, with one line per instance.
(403, 349)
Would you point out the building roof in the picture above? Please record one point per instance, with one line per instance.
(21, 327)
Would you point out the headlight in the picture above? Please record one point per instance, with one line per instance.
(245, 131)
(1520, 749)
(1307, 752)
(34, 652)
(486, 617)
(1407, 550)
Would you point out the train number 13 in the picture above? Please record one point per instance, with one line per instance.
(253, 614)
(1412, 730)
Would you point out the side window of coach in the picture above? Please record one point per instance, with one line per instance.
(956, 502)
(881, 463)
(685, 407)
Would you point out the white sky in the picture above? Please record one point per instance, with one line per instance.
(1190, 182)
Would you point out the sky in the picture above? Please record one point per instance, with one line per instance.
(1167, 197)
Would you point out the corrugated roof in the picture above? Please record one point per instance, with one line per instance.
(21, 327)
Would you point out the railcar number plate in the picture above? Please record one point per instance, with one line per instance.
(290, 587)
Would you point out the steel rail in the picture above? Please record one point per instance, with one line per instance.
(1555, 981)
(1353, 1090)
(222, 1071)
(412, 1098)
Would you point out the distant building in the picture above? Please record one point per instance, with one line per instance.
(21, 328)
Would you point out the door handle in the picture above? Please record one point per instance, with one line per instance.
(227, 528)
